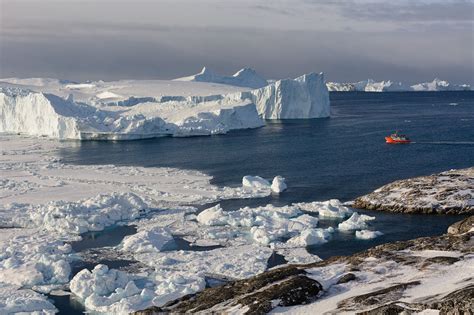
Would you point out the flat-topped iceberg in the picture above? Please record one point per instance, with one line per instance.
(392, 86)
(245, 77)
(133, 109)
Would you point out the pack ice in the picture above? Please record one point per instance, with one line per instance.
(136, 109)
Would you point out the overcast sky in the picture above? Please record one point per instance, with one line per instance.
(349, 40)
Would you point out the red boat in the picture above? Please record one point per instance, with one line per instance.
(396, 138)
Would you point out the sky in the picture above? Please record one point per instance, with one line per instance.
(349, 40)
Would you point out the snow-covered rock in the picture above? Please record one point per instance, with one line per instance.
(278, 184)
(245, 77)
(450, 192)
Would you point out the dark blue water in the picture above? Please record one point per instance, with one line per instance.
(340, 157)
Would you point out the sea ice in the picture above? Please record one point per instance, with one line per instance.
(278, 184)
(255, 182)
(146, 240)
(367, 234)
(213, 216)
(332, 208)
(104, 290)
(355, 222)
(14, 300)
(310, 237)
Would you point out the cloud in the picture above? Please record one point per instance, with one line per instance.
(280, 38)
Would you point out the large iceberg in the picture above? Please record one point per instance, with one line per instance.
(392, 86)
(245, 77)
(440, 85)
(136, 109)
(304, 97)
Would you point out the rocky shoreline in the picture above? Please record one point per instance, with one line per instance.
(386, 279)
(450, 192)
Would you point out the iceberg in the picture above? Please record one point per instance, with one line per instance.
(137, 109)
(304, 97)
(392, 86)
(440, 85)
(367, 234)
(245, 77)
(278, 184)
(355, 222)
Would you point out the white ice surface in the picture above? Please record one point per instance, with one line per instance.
(136, 109)
(14, 300)
(50, 203)
(391, 86)
(355, 222)
(367, 234)
(245, 77)
(278, 185)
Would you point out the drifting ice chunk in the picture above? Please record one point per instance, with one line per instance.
(330, 209)
(146, 241)
(23, 301)
(105, 290)
(92, 214)
(255, 182)
(355, 222)
(278, 184)
(213, 216)
(310, 237)
(367, 234)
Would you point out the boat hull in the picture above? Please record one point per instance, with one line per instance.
(393, 141)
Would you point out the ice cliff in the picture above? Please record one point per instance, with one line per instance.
(126, 110)
(304, 97)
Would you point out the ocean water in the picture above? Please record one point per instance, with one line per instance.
(341, 157)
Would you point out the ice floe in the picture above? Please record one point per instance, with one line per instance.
(367, 234)
(147, 240)
(355, 222)
(278, 184)
(14, 300)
